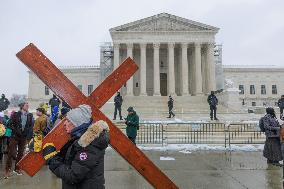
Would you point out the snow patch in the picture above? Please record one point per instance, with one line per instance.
(167, 158)
(189, 148)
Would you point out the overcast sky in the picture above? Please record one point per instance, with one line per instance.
(69, 32)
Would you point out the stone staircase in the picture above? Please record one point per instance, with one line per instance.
(157, 105)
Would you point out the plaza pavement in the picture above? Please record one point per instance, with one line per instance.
(191, 170)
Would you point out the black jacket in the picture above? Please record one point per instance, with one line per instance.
(82, 167)
(171, 103)
(281, 103)
(54, 102)
(271, 126)
(15, 123)
(212, 100)
(118, 100)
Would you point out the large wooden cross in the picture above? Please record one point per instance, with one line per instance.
(37, 62)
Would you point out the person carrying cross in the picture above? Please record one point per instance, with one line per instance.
(80, 163)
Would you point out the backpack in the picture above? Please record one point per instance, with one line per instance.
(48, 127)
(261, 124)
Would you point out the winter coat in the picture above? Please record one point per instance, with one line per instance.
(132, 125)
(15, 123)
(4, 103)
(54, 102)
(80, 163)
(212, 100)
(281, 103)
(171, 103)
(271, 126)
(118, 100)
(40, 124)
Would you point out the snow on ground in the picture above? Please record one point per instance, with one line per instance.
(189, 148)
(176, 120)
(167, 158)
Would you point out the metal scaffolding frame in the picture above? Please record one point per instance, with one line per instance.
(106, 59)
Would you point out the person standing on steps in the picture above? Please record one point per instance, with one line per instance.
(117, 105)
(171, 106)
(132, 124)
(213, 102)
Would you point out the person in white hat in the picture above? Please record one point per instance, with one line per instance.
(80, 163)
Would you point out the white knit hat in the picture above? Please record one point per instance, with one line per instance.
(81, 114)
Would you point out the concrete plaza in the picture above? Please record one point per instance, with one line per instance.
(193, 170)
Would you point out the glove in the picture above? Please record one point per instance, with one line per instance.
(49, 151)
(55, 162)
(37, 143)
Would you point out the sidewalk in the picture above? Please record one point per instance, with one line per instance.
(189, 170)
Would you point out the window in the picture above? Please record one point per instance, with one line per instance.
(46, 90)
(241, 89)
(274, 89)
(252, 89)
(80, 87)
(263, 90)
(253, 103)
(90, 89)
(136, 84)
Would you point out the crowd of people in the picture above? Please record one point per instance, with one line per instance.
(80, 163)
(20, 129)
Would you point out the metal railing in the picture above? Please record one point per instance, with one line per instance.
(199, 133)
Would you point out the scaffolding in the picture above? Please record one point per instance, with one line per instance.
(106, 59)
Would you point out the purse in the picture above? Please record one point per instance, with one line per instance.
(8, 132)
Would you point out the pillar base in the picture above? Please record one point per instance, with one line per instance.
(143, 94)
(198, 94)
(157, 94)
(185, 94)
(172, 94)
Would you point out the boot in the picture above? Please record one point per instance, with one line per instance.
(7, 174)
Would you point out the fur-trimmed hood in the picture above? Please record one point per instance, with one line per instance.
(97, 134)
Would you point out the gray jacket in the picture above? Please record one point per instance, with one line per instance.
(271, 126)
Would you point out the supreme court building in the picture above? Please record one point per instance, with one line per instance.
(175, 55)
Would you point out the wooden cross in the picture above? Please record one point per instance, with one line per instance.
(37, 62)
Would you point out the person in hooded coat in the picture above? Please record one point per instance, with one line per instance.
(132, 124)
(80, 163)
(272, 147)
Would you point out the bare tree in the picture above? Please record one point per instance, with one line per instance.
(16, 99)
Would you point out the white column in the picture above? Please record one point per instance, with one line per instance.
(171, 69)
(130, 81)
(143, 69)
(211, 67)
(115, 55)
(184, 69)
(156, 73)
(197, 66)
